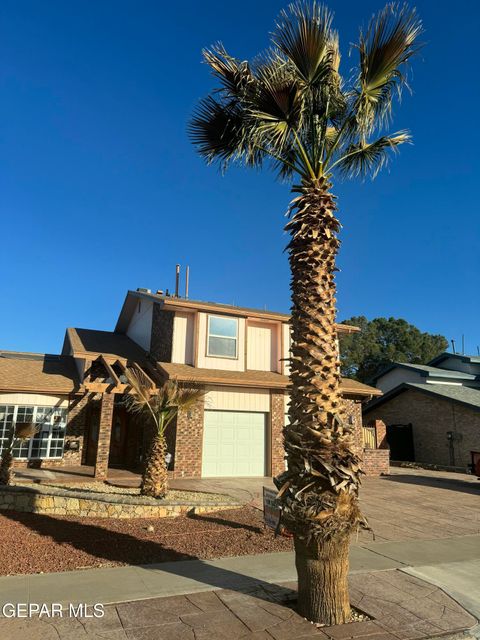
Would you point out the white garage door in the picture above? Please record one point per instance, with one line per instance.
(233, 444)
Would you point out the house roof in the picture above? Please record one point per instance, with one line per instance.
(425, 371)
(459, 356)
(463, 395)
(90, 342)
(262, 379)
(170, 302)
(37, 372)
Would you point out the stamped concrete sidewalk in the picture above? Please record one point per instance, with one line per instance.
(401, 607)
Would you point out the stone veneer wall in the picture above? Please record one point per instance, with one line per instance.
(161, 340)
(53, 501)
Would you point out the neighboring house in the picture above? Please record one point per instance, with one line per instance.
(432, 412)
(239, 355)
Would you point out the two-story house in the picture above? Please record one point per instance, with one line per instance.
(239, 355)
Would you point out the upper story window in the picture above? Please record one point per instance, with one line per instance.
(222, 337)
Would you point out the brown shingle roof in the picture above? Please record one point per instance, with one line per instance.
(265, 379)
(111, 345)
(37, 372)
(355, 388)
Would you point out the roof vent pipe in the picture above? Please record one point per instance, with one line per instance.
(177, 279)
(187, 278)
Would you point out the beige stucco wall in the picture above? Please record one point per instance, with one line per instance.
(263, 346)
(237, 399)
(31, 399)
(286, 348)
(431, 418)
(140, 327)
(183, 337)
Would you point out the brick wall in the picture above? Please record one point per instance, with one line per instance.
(76, 428)
(104, 434)
(277, 422)
(161, 340)
(376, 461)
(189, 441)
(432, 418)
(353, 412)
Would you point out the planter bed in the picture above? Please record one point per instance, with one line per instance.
(39, 543)
(101, 501)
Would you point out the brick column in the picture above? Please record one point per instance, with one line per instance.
(189, 442)
(381, 431)
(76, 428)
(277, 422)
(353, 415)
(104, 434)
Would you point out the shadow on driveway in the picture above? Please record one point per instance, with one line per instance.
(452, 484)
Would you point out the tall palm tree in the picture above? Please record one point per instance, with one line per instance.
(159, 406)
(291, 108)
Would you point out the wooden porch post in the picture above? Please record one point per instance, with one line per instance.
(104, 434)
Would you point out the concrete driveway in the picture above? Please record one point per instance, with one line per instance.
(408, 504)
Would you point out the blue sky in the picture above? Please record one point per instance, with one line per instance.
(101, 191)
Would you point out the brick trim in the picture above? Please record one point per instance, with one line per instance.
(276, 455)
(189, 442)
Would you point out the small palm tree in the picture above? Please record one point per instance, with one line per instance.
(19, 431)
(160, 406)
(292, 109)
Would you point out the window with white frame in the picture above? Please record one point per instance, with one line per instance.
(48, 442)
(222, 339)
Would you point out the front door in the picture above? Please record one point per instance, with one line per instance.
(400, 441)
(118, 438)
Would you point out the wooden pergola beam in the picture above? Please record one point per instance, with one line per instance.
(143, 373)
(110, 370)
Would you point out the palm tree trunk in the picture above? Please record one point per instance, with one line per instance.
(320, 486)
(155, 474)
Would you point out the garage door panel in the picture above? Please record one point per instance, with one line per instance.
(234, 444)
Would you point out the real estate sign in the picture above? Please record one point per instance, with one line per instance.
(271, 508)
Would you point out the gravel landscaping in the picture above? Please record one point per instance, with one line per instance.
(34, 543)
(193, 497)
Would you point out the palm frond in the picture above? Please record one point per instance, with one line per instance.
(389, 42)
(277, 107)
(160, 404)
(363, 159)
(217, 129)
(139, 397)
(302, 34)
(235, 76)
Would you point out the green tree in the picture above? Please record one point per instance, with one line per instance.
(383, 341)
(290, 108)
